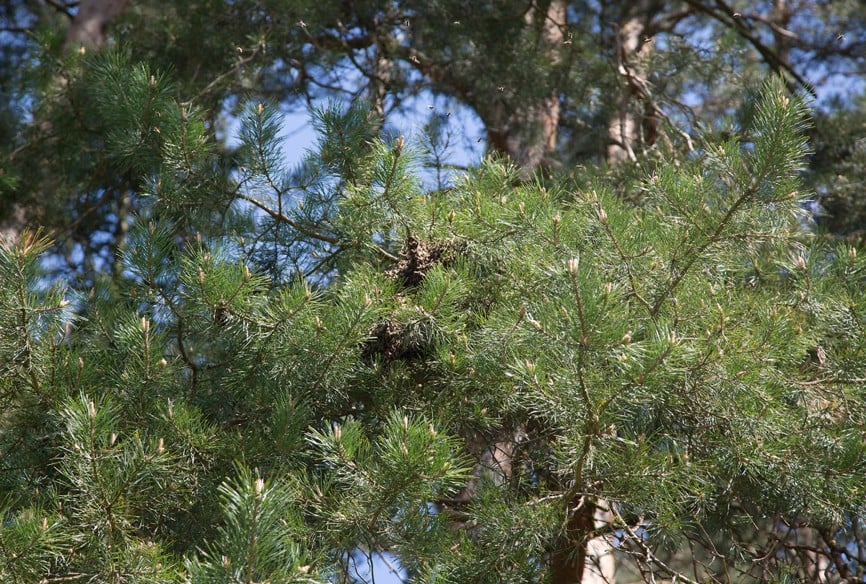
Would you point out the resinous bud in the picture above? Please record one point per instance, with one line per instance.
(602, 216)
(801, 263)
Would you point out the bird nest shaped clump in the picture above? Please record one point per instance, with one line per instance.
(395, 339)
(418, 257)
(391, 340)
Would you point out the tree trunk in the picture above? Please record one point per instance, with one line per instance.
(585, 552)
(581, 557)
(12, 224)
(528, 137)
(635, 120)
(527, 134)
(87, 29)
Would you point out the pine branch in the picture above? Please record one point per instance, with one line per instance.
(733, 19)
(632, 280)
(277, 216)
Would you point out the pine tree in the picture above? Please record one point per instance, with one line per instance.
(218, 368)
(552, 83)
(290, 372)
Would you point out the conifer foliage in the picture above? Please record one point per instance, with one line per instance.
(293, 372)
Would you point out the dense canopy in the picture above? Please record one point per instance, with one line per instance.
(615, 335)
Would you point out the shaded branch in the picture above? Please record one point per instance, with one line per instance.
(734, 20)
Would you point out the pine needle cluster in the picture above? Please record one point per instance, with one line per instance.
(295, 368)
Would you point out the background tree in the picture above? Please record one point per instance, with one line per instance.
(328, 357)
(553, 83)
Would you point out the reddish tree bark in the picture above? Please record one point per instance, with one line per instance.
(636, 119)
(527, 135)
(583, 556)
(87, 28)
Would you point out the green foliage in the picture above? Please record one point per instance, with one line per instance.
(258, 539)
(111, 484)
(447, 377)
(30, 541)
(837, 170)
(227, 369)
